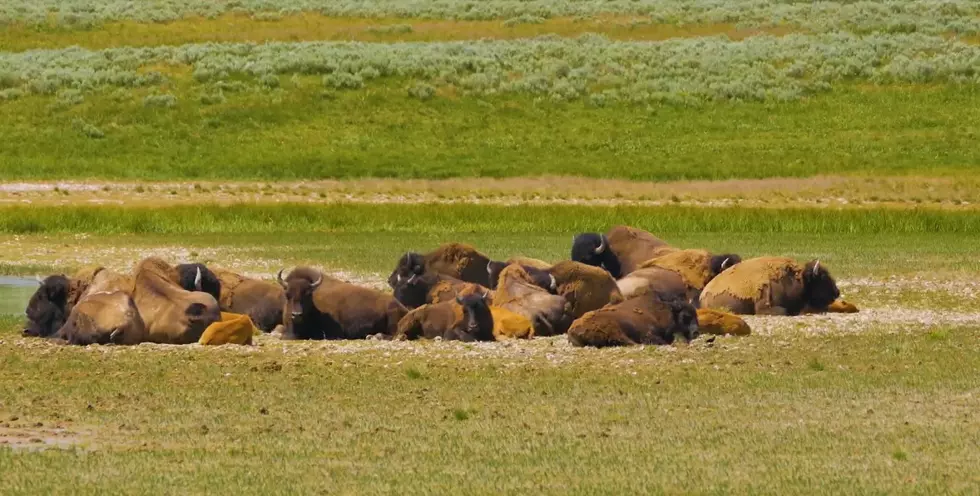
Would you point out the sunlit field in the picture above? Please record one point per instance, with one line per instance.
(339, 135)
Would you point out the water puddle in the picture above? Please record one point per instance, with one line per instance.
(14, 293)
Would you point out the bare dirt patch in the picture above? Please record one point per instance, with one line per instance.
(23, 436)
(817, 192)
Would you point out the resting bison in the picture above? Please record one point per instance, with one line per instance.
(467, 318)
(539, 275)
(103, 318)
(422, 285)
(771, 286)
(510, 325)
(584, 287)
(319, 307)
(262, 301)
(49, 307)
(456, 260)
(643, 320)
(620, 251)
(548, 313)
(172, 314)
(720, 323)
(662, 282)
(696, 267)
(198, 277)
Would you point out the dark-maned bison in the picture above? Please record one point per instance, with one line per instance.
(262, 301)
(49, 307)
(198, 277)
(422, 285)
(771, 286)
(549, 314)
(320, 307)
(620, 251)
(643, 320)
(467, 318)
(584, 287)
(172, 314)
(456, 260)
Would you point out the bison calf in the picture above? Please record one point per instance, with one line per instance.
(467, 318)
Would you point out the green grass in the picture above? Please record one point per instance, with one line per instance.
(742, 416)
(298, 133)
(459, 219)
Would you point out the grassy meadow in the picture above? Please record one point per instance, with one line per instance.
(260, 136)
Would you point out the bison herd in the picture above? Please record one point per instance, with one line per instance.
(619, 288)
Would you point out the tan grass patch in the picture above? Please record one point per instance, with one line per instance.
(312, 26)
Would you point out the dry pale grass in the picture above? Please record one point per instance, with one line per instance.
(313, 26)
(961, 193)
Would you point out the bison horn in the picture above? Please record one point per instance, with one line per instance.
(197, 279)
(39, 280)
(554, 283)
(725, 263)
(489, 268)
(816, 267)
(602, 246)
(317, 282)
(279, 278)
(411, 279)
(486, 294)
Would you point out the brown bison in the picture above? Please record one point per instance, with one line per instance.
(643, 320)
(467, 318)
(262, 301)
(49, 306)
(172, 314)
(696, 267)
(321, 307)
(104, 318)
(421, 285)
(549, 314)
(771, 286)
(620, 251)
(539, 275)
(662, 282)
(456, 260)
(584, 287)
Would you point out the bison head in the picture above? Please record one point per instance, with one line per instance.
(493, 270)
(197, 277)
(593, 249)
(477, 324)
(721, 262)
(410, 266)
(47, 309)
(684, 320)
(300, 286)
(820, 289)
